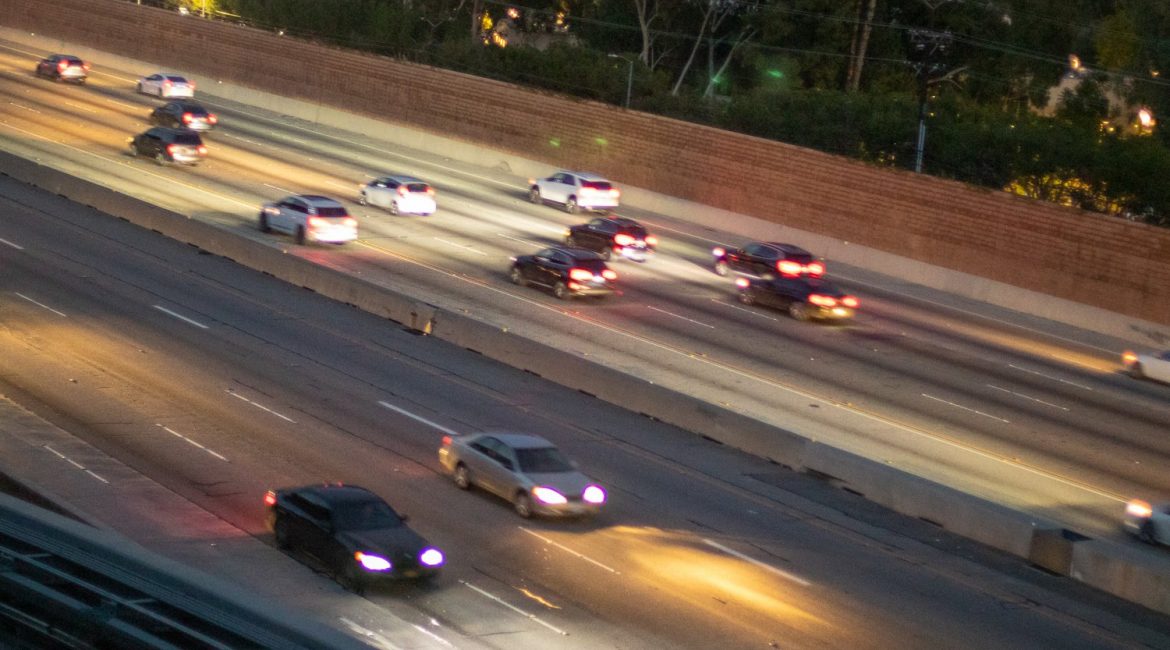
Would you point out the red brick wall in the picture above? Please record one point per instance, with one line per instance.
(1083, 257)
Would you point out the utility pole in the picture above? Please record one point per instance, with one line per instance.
(927, 50)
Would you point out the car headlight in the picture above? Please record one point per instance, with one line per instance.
(548, 495)
(1138, 508)
(594, 494)
(372, 562)
(431, 556)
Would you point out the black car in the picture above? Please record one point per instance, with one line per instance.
(181, 114)
(63, 67)
(768, 259)
(567, 271)
(352, 531)
(613, 235)
(802, 297)
(167, 145)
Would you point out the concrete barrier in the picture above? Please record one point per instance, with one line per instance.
(1109, 567)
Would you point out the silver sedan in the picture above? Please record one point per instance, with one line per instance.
(525, 469)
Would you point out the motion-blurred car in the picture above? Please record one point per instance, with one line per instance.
(767, 259)
(527, 470)
(1150, 523)
(399, 195)
(575, 191)
(188, 115)
(166, 85)
(352, 531)
(567, 271)
(63, 67)
(609, 236)
(309, 217)
(1148, 366)
(802, 297)
(167, 145)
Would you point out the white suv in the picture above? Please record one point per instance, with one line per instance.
(576, 191)
(399, 195)
(309, 218)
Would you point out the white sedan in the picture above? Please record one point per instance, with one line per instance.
(165, 84)
(1148, 366)
(1150, 523)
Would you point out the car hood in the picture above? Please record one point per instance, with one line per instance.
(386, 541)
(570, 484)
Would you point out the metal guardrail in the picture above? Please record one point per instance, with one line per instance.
(64, 584)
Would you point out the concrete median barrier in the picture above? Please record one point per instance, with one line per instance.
(1124, 572)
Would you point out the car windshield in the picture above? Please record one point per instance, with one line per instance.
(332, 212)
(188, 138)
(367, 515)
(637, 232)
(177, 80)
(543, 460)
(597, 185)
(594, 266)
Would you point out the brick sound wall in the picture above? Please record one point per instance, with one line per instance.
(1067, 253)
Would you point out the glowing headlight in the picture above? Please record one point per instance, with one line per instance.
(594, 494)
(431, 557)
(1138, 508)
(548, 495)
(372, 562)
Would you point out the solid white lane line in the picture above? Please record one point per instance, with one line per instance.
(180, 317)
(279, 189)
(93, 474)
(190, 441)
(691, 320)
(8, 243)
(533, 617)
(569, 550)
(753, 312)
(259, 405)
(27, 108)
(1029, 397)
(522, 241)
(431, 634)
(74, 463)
(1063, 381)
(763, 565)
(419, 418)
(39, 304)
(965, 408)
(468, 248)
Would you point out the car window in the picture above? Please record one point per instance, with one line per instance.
(597, 185)
(177, 80)
(595, 266)
(188, 138)
(637, 232)
(755, 250)
(332, 212)
(417, 187)
(562, 257)
(312, 510)
(543, 460)
(368, 515)
(154, 77)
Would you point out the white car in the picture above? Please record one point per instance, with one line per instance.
(1150, 523)
(1148, 366)
(575, 191)
(399, 195)
(309, 218)
(164, 84)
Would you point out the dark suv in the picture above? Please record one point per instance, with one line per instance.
(803, 298)
(184, 115)
(610, 235)
(768, 260)
(167, 145)
(567, 271)
(63, 67)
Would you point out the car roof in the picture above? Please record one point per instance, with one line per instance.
(338, 493)
(519, 440)
(790, 249)
(402, 178)
(578, 253)
(320, 201)
(623, 221)
(186, 105)
(585, 176)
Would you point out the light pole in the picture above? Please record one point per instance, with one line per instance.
(629, 76)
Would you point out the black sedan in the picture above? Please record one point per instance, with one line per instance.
(610, 236)
(567, 271)
(803, 298)
(181, 114)
(766, 260)
(352, 531)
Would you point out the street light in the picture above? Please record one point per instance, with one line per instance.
(629, 76)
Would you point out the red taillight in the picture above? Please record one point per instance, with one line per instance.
(212, 118)
(815, 269)
(446, 441)
(187, 117)
(430, 191)
(615, 192)
(316, 222)
(588, 190)
(622, 239)
(580, 274)
(609, 275)
(167, 82)
(202, 150)
(651, 240)
(61, 65)
(850, 301)
(171, 149)
(270, 498)
(402, 191)
(789, 268)
(85, 65)
(350, 222)
(822, 301)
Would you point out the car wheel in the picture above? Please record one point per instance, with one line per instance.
(517, 276)
(570, 241)
(1146, 534)
(132, 150)
(1136, 371)
(160, 158)
(721, 268)
(351, 577)
(140, 88)
(462, 477)
(394, 207)
(81, 82)
(523, 504)
(362, 199)
(798, 311)
(300, 235)
(606, 253)
(561, 291)
(534, 195)
(264, 227)
(746, 297)
(280, 532)
(571, 205)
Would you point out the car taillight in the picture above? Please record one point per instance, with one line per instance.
(270, 498)
(1128, 357)
(202, 150)
(609, 275)
(61, 65)
(622, 239)
(742, 283)
(187, 117)
(789, 268)
(350, 222)
(430, 191)
(822, 301)
(316, 222)
(815, 269)
(446, 441)
(1138, 508)
(402, 191)
(615, 192)
(85, 65)
(167, 82)
(580, 274)
(651, 240)
(171, 149)
(718, 252)
(850, 301)
(588, 190)
(212, 118)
